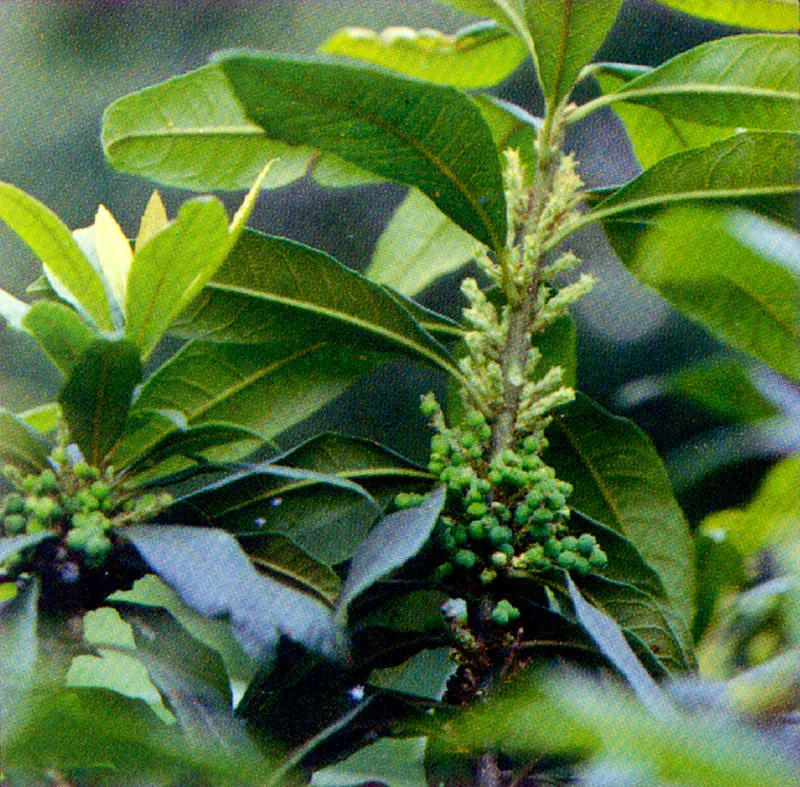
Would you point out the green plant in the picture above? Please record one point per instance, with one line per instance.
(362, 597)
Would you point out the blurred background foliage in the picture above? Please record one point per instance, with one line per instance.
(65, 62)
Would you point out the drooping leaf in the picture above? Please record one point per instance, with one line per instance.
(715, 267)
(478, 56)
(154, 219)
(760, 14)
(390, 544)
(61, 332)
(327, 522)
(607, 636)
(18, 647)
(566, 33)
(620, 481)
(97, 395)
(214, 577)
(20, 445)
(750, 81)
(418, 245)
(113, 252)
(653, 134)
(276, 555)
(52, 242)
(751, 164)
(12, 310)
(275, 290)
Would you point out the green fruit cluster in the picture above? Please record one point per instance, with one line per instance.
(505, 613)
(504, 515)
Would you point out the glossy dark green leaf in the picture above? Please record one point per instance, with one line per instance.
(18, 648)
(721, 269)
(52, 242)
(620, 481)
(478, 56)
(609, 638)
(97, 395)
(265, 388)
(327, 522)
(390, 544)
(345, 111)
(442, 328)
(760, 14)
(214, 577)
(750, 81)
(417, 246)
(654, 135)
(20, 445)
(277, 291)
(60, 331)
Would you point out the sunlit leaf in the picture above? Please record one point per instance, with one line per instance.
(154, 219)
(761, 14)
(61, 332)
(44, 418)
(113, 252)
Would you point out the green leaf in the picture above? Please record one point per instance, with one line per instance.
(716, 267)
(511, 127)
(424, 675)
(327, 522)
(437, 325)
(154, 219)
(52, 242)
(779, 15)
(214, 577)
(13, 545)
(20, 445)
(263, 388)
(478, 56)
(44, 418)
(397, 762)
(566, 33)
(12, 310)
(418, 245)
(750, 81)
(61, 332)
(275, 290)
(344, 110)
(755, 163)
(652, 133)
(278, 556)
(18, 647)
(390, 544)
(770, 519)
(609, 638)
(620, 481)
(97, 395)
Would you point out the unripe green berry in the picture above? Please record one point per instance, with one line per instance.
(14, 504)
(500, 535)
(474, 419)
(542, 516)
(570, 543)
(522, 514)
(428, 406)
(87, 500)
(586, 544)
(476, 531)
(100, 489)
(436, 466)
(507, 549)
(477, 509)
(509, 457)
(552, 547)
(567, 559)
(83, 470)
(531, 463)
(443, 572)
(465, 559)
(48, 483)
(496, 476)
(459, 533)
(500, 617)
(440, 445)
(555, 501)
(59, 455)
(468, 440)
(487, 576)
(14, 524)
(35, 525)
(47, 509)
(582, 566)
(448, 543)
(598, 558)
(97, 549)
(29, 483)
(517, 477)
(531, 445)
(485, 432)
(78, 537)
(476, 452)
(499, 559)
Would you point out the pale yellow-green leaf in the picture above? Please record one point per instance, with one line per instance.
(782, 15)
(154, 219)
(113, 252)
(12, 310)
(244, 210)
(43, 418)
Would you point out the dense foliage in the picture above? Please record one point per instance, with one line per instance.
(184, 603)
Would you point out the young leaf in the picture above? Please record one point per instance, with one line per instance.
(52, 242)
(390, 544)
(418, 245)
(778, 15)
(264, 388)
(113, 252)
(20, 445)
(275, 290)
(478, 56)
(734, 272)
(620, 481)
(750, 81)
(61, 332)
(97, 395)
(214, 577)
(608, 637)
(44, 418)
(154, 219)
(653, 134)
(566, 33)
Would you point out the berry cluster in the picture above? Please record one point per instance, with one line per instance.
(505, 515)
(78, 502)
